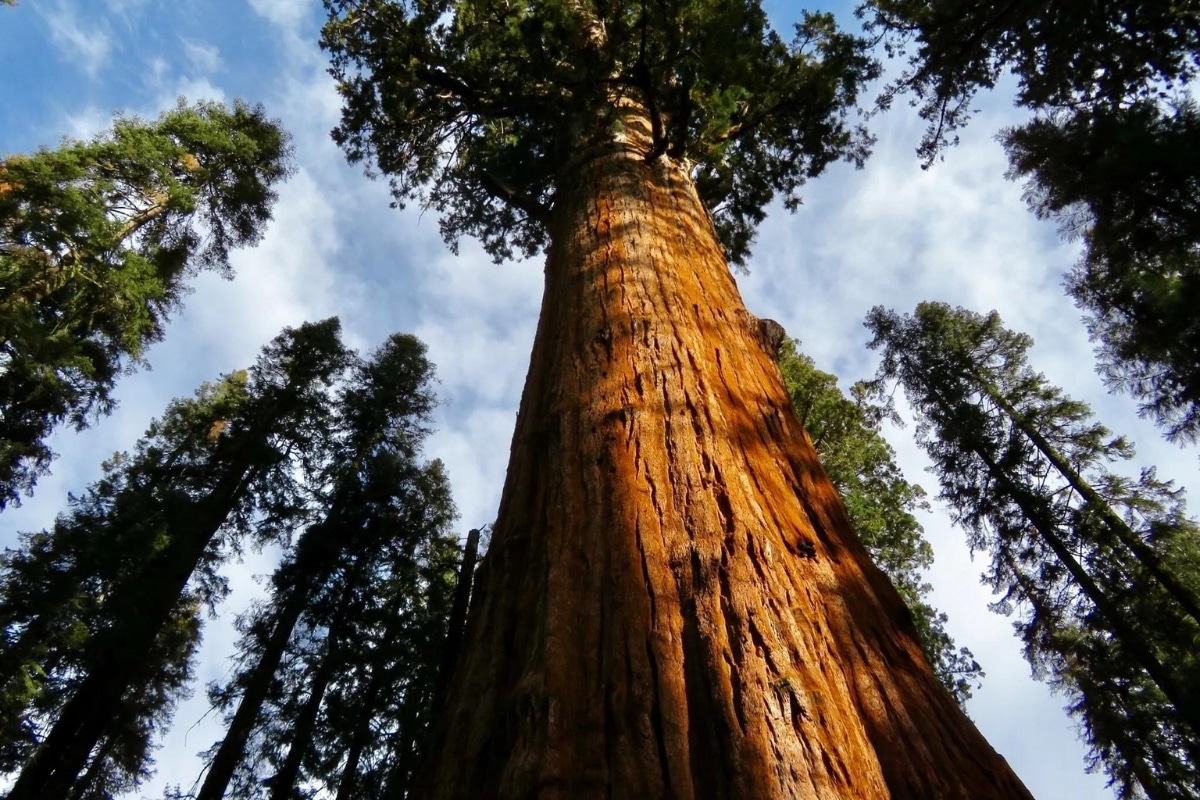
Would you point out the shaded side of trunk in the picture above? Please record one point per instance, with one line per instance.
(674, 603)
(233, 746)
(118, 655)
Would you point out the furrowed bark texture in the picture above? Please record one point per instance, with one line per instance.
(674, 603)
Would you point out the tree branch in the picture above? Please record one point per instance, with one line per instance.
(519, 200)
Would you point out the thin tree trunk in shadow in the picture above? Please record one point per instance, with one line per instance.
(283, 784)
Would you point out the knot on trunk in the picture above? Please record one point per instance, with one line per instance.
(769, 334)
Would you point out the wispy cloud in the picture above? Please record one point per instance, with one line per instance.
(88, 49)
(88, 122)
(284, 13)
(204, 57)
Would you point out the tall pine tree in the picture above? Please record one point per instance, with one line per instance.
(674, 602)
(381, 548)
(97, 242)
(200, 479)
(1103, 567)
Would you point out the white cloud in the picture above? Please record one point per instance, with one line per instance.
(192, 89)
(89, 50)
(125, 8)
(87, 122)
(287, 14)
(203, 57)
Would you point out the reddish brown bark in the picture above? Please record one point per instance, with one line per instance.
(674, 603)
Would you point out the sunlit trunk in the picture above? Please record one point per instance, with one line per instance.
(674, 603)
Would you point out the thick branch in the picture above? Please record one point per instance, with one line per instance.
(506, 193)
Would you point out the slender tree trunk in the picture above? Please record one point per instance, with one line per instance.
(233, 746)
(283, 784)
(1129, 753)
(118, 655)
(1146, 554)
(85, 784)
(399, 779)
(1130, 638)
(362, 734)
(457, 624)
(674, 603)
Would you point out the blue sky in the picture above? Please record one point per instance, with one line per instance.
(890, 234)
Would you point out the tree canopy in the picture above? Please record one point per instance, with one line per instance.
(477, 107)
(1110, 155)
(1127, 181)
(1071, 56)
(97, 240)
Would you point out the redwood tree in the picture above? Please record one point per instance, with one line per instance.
(674, 603)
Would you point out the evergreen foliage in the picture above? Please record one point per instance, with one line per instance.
(100, 614)
(53, 590)
(1103, 568)
(1092, 55)
(477, 107)
(846, 432)
(338, 667)
(97, 241)
(1127, 181)
(1111, 155)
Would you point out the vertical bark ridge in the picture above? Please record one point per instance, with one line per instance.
(674, 603)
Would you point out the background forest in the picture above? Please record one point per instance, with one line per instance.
(891, 234)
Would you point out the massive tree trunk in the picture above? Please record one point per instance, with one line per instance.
(674, 603)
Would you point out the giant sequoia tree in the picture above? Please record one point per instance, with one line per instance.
(674, 602)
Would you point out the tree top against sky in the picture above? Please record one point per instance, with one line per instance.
(476, 108)
(1065, 55)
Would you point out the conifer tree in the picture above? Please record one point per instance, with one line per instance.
(350, 695)
(1103, 567)
(384, 512)
(97, 242)
(54, 589)
(210, 472)
(880, 502)
(1109, 154)
(674, 602)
